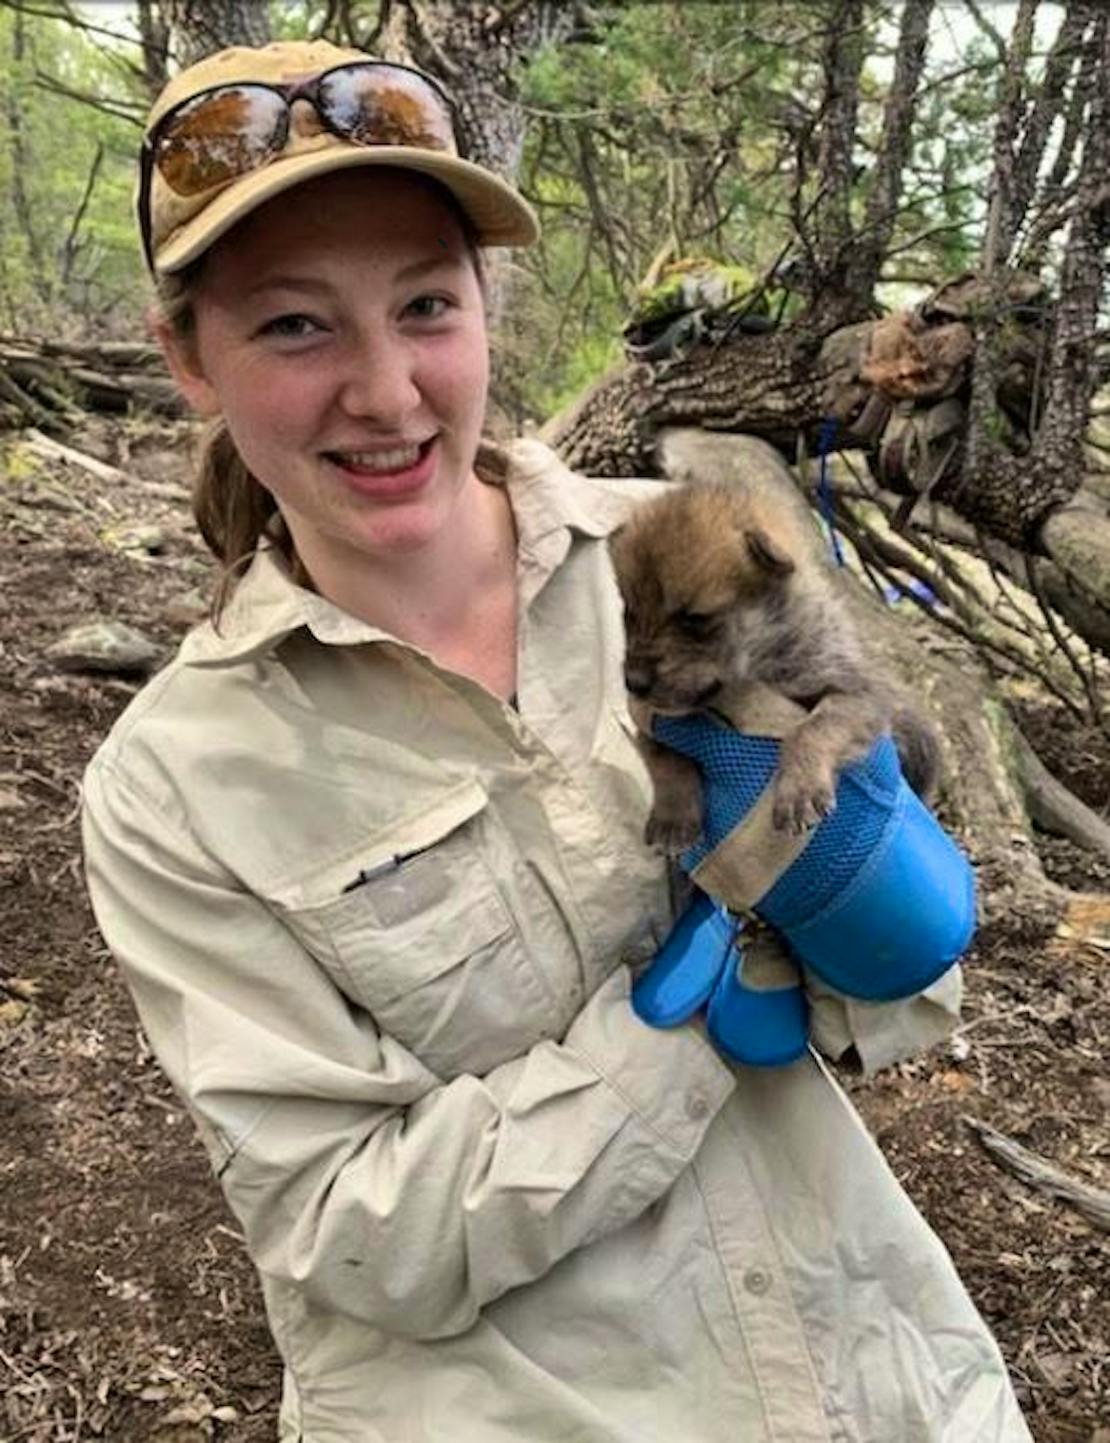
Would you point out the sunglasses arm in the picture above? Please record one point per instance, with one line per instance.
(146, 183)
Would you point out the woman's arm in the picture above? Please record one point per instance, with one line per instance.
(355, 1171)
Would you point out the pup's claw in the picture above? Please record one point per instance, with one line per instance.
(800, 805)
(672, 834)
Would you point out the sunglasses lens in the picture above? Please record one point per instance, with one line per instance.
(376, 105)
(222, 134)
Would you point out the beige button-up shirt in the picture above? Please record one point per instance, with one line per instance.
(379, 927)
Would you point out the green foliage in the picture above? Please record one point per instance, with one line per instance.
(298, 22)
(51, 266)
(669, 131)
(665, 129)
(690, 283)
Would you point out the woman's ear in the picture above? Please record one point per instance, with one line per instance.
(184, 365)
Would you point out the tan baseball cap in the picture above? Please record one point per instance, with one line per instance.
(182, 227)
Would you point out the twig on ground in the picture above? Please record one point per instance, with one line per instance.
(1091, 1201)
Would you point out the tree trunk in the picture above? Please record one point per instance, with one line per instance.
(201, 27)
(154, 33)
(475, 50)
(22, 165)
(869, 247)
(767, 385)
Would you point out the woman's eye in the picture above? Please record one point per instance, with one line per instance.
(428, 308)
(293, 327)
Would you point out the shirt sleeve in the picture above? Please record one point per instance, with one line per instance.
(356, 1173)
(883, 1032)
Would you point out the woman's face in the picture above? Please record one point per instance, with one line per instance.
(340, 331)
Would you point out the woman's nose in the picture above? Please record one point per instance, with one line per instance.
(380, 383)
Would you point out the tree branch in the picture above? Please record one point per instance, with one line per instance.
(869, 248)
(133, 113)
(842, 60)
(1070, 378)
(1092, 1202)
(982, 445)
(69, 246)
(66, 13)
(987, 28)
(1066, 48)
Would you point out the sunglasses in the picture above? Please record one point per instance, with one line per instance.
(229, 130)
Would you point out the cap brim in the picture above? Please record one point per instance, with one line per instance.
(500, 216)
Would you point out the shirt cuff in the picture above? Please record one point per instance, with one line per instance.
(883, 1032)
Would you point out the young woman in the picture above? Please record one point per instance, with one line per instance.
(368, 851)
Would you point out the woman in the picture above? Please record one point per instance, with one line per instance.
(368, 851)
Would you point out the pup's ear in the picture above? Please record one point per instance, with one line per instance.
(767, 554)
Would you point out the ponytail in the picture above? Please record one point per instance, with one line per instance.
(232, 510)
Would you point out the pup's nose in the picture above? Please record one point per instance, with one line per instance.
(638, 680)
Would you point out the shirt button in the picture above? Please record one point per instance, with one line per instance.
(697, 1106)
(757, 1281)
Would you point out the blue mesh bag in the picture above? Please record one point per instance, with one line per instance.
(881, 901)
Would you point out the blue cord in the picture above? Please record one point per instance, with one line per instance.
(824, 486)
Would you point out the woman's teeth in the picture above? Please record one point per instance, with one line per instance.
(399, 459)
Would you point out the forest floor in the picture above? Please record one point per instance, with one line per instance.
(128, 1311)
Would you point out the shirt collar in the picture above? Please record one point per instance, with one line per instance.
(550, 505)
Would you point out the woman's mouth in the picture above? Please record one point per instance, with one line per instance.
(386, 471)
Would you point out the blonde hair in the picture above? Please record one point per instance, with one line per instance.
(233, 511)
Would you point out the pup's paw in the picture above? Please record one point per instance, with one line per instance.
(801, 799)
(672, 832)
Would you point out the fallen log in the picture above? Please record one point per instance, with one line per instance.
(799, 392)
(50, 383)
(48, 449)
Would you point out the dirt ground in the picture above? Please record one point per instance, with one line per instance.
(127, 1309)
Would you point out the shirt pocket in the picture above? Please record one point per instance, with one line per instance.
(425, 941)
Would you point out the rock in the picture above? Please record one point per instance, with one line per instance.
(12, 1011)
(188, 609)
(138, 537)
(105, 646)
(163, 465)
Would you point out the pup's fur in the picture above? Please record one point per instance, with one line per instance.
(723, 585)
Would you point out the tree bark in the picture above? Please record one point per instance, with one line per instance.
(154, 34)
(22, 167)
(870, 245)
(769, 385)
(201, 27)
(475, 49)
(828, 242)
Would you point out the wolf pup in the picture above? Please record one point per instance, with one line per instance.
(723, 586)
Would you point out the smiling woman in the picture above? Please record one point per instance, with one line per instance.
(344, 349)
(370, 853)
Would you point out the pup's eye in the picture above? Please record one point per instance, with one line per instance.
(698, 625)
